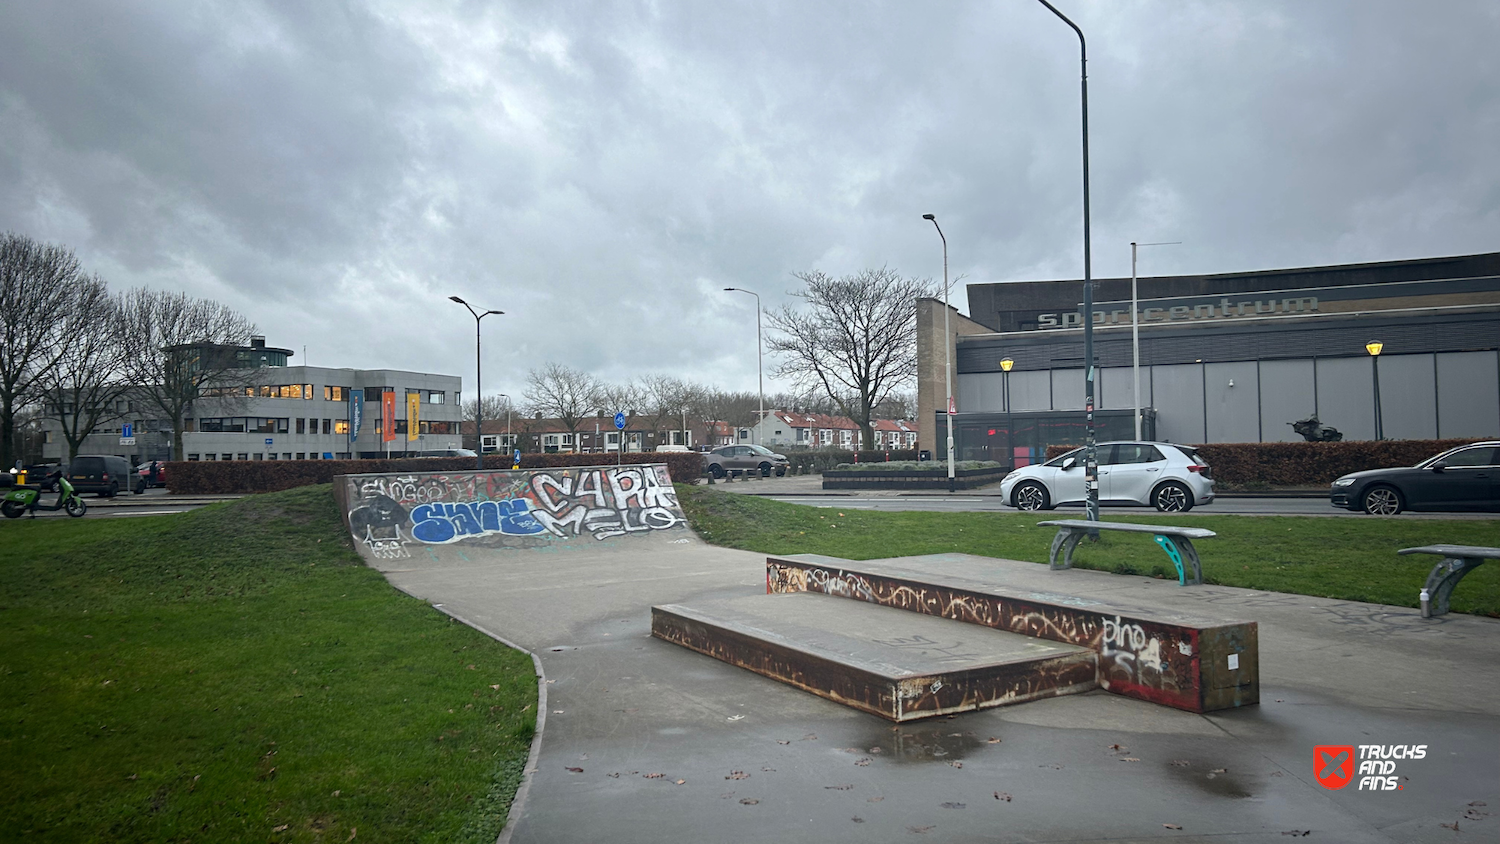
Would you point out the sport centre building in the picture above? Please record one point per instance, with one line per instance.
(1234, 357)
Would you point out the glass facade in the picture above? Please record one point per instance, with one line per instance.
(1020, 439)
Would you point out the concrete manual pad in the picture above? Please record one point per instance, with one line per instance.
(889, 662)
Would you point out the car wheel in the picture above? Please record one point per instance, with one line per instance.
(1172, 498)
(12, 510)
(781, 471)
(114, 489)
(1381, 501)
(1031, 496)
(765, 470)
(716, 470)
(76, 507)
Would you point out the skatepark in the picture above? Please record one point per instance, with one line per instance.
(691, 692)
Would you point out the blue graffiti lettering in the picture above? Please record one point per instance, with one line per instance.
(439, 523)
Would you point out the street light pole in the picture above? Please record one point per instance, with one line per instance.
(1091, 453)
(759, 371)
(1135, 332)
(1374, 347)
(947, 349)
(478, 389)
(508, 445)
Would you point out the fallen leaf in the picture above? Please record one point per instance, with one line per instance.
(1116, 747)
(735, 718)
(993, 740)
(470, 666)
(957, 764)
(838, 787)
(1129, 759)
(1172, 825)
(574, 770)
(615, 775)
(495, 686)
(953, 805)
(653, 776)
(749, 801)
(863, 762)
(1453, 826)
(737, 775)
(353, 830)
(1297, 832)
(918, 830)
(557, 712)
(1179, 763)
(876, 750)
(526, 707)
(810, 737)
(857, 819)
(1219, 771)
(282, 828)
(1001, 795)
(783, 741)
(336, 792)
(680, 782)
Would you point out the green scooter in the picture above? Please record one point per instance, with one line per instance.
(27, 497)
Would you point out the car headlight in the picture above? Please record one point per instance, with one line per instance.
(1344, 482)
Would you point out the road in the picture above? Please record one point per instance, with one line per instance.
(153, 502)
(990, 503)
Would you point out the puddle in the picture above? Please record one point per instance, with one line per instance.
(916, 743)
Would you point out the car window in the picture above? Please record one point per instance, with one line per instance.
(1480, 456)
(1136, 453)
(87, 466)
(1193, 455)
(1076, 454)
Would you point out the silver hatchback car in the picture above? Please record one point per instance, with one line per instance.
(1165, 476)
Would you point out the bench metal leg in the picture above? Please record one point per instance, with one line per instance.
(1066, 540)
(1446, 575)
(1184, 557)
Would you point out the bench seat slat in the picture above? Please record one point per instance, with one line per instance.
(1164, 530)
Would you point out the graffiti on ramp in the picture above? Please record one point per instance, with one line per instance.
(388, 513)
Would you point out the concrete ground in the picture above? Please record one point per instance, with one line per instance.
(646, 741)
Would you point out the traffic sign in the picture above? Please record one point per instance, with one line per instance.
(127, 440)
(127, 431)
(269, 441)
(620, 421)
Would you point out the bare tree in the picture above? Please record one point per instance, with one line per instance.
(664, 401)
(855, 339)
(89, 381)
(563, 393)
(185, 350)
(493, 407)
(900, 404)
(37, 283)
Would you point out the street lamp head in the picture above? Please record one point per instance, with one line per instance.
(487, 313)
(1006, 364)
(728, 289)
(457, 299)
(932, 217)
(1374, 347)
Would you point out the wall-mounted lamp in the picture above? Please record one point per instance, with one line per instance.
(1231, 382)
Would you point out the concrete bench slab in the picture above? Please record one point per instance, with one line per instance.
(1458, 560)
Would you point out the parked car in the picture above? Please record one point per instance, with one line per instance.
(1463, 478)
(103, 474)
(143, 472)
(449, 452)
(744, 458)
(1171, 478)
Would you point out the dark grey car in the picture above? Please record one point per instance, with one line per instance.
(1463, 478)
(744, 458)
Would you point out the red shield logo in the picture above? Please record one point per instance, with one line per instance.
(1333, 765)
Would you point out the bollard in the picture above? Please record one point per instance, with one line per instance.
(710, 478)
(729, 477)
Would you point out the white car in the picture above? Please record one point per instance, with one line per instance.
(1165, 476)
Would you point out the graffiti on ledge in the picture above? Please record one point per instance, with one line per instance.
(386, 512)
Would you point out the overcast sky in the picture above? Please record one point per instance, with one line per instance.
(599, 171)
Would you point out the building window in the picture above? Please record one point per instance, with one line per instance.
(226, 457)
(491, 442)
(435, 396)
(327, 426)
(192, 458)
(301, 425)
(244, 456)
(336, 393)
(285, 391)
(341, 426)
(312, 426)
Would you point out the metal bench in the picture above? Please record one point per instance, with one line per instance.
(1458, 560)
(1176, 541)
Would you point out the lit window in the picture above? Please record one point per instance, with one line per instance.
(341, 426)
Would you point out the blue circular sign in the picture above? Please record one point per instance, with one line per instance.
(620, 421)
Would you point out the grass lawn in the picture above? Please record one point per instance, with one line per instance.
(237, 674)
(1348, 558)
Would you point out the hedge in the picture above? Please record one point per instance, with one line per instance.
(1305, 464)
(226, 477)
(823, 459)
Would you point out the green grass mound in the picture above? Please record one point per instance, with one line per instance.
(237, 674)
(1346, 558)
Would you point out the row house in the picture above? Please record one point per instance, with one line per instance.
(819, 430)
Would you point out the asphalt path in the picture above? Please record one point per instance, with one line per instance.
(152, 502)
(1257, 506)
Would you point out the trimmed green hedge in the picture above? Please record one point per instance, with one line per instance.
(227, 477)
(1306, 464)
(933, 466)
(823, 459)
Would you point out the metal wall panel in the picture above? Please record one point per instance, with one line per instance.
(1231, 408)
(1286, 395)
(1346, 395)
(1468, 394)
(1067, 389)
(1030, 391)
(1408, 397)
(1178, 393)
(977, 393)
(1116, 388)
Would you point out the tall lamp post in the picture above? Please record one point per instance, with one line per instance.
(478, 391)
(1005, 366)
(947, 349)
(1135, 331)
(759, 372)
(508, 445)
(1091, 454)
(1374, 347)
